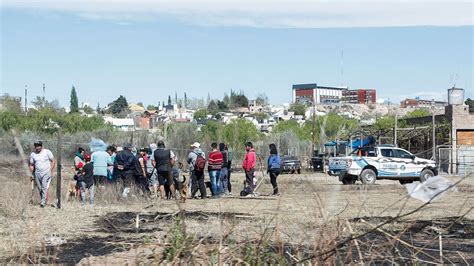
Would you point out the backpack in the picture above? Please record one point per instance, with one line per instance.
(200, 163)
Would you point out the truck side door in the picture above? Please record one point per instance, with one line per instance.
(387, 164)
(406, 165)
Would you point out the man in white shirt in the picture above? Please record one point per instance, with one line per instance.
(42, 166)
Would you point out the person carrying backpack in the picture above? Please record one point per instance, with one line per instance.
(274, 168)
(249, 166)
(197, 163)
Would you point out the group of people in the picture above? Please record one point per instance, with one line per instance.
(153, 170)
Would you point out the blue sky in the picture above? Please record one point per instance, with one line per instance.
(146, 53)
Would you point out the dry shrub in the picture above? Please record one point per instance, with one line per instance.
(15, 197)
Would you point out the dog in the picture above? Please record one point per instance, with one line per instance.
(181, 184)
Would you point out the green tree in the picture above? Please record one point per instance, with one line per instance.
(212, 107)
(222, 106)
(239, 131)
(151, 107)
(238, 100)
(12, 104)
(212, 131)
(385, 123)
(470, 103)
(88, 110)
(226, 100)
(262, 99)
(9, 120)
(418, 113)
(39, 103)
(119, 107)
(200, 114)
(260, 116)
(297, 108)
(74, 102)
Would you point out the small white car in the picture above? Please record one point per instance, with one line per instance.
(381, 162)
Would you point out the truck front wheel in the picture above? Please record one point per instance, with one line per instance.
(368, 177)
(425, 174)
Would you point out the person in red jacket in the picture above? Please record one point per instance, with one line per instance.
(214, 168)
(249, 165)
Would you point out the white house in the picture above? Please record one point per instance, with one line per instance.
(124, 124)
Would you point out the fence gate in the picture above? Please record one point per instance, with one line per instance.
(456, 161)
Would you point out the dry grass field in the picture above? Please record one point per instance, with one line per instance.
(315, 220)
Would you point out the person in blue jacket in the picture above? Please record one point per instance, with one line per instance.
(274, 168)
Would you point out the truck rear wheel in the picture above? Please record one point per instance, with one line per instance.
(425, 175)
(368, 177)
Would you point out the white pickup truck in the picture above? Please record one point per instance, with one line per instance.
(381, 162)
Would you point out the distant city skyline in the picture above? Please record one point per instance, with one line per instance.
(147, 50)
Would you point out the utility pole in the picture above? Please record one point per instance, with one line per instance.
(59, 168)
(434, 128)
(44, 93)
(395, 130)
(313, 135)
(26, 101)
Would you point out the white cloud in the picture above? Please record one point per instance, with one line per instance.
(266, 13)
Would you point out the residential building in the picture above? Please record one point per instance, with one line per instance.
(419, 103)
(124, 124)
(308, 94)
(359, 96)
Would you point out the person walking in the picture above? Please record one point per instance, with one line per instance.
(197, 162)
(224, 175)
(249, 166)
(124, 168)
(273, 169)
(42, 165)
(87, 180)
(163, 160)
(214, 169)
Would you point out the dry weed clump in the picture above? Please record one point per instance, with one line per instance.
(16, 189)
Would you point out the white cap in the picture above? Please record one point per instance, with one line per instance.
(196, 144)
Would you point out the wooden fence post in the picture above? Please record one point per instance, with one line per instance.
(59, 168)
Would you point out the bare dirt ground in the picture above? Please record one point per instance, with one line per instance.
(312, 219)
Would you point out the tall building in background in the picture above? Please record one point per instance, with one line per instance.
(359, 96)
(307, 93)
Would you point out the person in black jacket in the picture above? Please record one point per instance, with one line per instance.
(87, 181)
(125, 168)
(163, 161)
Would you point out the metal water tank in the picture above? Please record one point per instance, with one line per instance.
(455, 96)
